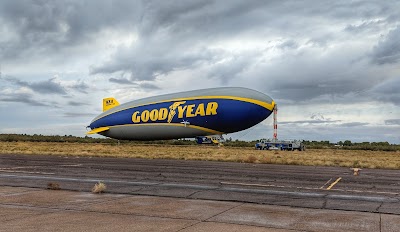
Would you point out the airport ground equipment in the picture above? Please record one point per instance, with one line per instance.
(288, 145)
(275, 144)
(210, 140)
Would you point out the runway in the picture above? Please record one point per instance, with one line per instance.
(33, 209)
(333, 188)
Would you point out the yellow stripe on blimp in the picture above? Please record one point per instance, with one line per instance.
(174, 124)
(250, 100)
(98, 130)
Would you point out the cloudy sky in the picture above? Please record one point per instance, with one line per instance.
(333, 67)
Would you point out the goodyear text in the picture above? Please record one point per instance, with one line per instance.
(187, 111)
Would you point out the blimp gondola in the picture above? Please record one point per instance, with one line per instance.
(213, 111)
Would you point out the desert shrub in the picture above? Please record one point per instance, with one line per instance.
(250, 159)
(99, 187)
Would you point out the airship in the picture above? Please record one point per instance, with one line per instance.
(213, 111)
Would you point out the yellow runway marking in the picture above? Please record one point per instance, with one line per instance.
(307, 188)
(333, 184)
(323, 186)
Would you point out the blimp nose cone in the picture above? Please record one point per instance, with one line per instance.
(258, 98)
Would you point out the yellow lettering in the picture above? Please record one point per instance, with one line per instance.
(135, 117)
(189, 111)
(162, 114)
(200, 110)
(181, 110)
(145, 116)
(211, 108)
(154, 115)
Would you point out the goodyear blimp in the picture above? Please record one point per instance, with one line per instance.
(214, 111)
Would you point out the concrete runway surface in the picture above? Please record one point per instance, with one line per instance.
(176, 195)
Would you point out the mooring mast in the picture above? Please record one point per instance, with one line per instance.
(275, 123)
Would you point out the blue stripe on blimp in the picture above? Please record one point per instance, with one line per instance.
(224, 115)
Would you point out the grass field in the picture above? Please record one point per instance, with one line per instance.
(312, 157)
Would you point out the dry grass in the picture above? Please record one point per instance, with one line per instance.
(251, 159)
(99, 187)
(317, 157)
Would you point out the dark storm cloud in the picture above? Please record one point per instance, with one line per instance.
(387, 51)
(122, 81)
(50, 86)
(79, 86)
(177, 37)
(43, 87)
(306, 77)
(74, 103)
(148, 86)
(42, 27)
(78, 115)
(217, 18)
(26, 99)
(125, 81)
(392, 122)
(291, 44)
(387, 91)
(365, 26)
(146, 61)
(182, 35)
(233, 66)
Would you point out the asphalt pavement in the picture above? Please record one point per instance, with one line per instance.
(249, 196)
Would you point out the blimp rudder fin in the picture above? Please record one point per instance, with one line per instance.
(109, 103)
(98, 130)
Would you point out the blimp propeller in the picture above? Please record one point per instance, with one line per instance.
(185, 123)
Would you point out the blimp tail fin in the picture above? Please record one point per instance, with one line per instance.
(98, 130)
(109, 103)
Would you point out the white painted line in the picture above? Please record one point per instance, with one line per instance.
(12, 168)
(70, 165)
(323, 186)
(26, 172)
